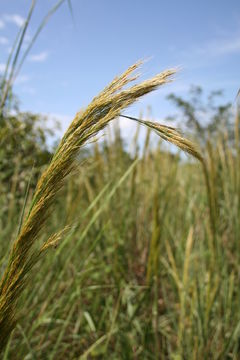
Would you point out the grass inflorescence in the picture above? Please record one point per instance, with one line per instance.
(105, 107)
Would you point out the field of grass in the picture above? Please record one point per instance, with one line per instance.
(148, 262)
(116, 254)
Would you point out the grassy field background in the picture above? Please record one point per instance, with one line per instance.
(149, 267)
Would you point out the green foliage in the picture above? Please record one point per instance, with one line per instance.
(23, 152)
(203, 115)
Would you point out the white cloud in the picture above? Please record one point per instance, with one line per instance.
(3, 40)
(1, 24)
(9, 49)
(39, 57)
(14, 19)
(211, 51)
(221, 47)
(215, 49)
(63, 120)
(28, 90)
(2, 68)
(22, 79)
(27, 39)
(229, 47)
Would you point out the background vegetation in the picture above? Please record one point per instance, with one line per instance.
(150, 266)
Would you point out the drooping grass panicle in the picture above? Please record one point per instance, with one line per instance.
(171, 135)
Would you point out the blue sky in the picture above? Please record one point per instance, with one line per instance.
(73, 60)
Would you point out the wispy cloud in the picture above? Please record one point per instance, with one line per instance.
(2, 68)
(42, 56)
(28, 90)
(1, 24)
(221, 47)
(16, 19)
(22, 79)
(3, 40)
(213, 50)
(58, 122)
